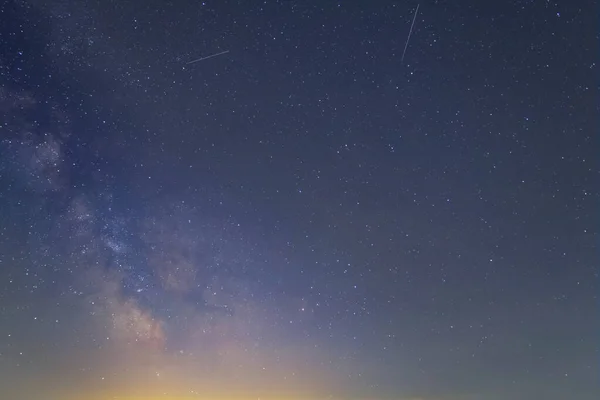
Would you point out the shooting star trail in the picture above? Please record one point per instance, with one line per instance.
(207, 57)
(410, 32)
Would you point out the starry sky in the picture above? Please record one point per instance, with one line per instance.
(289, 200)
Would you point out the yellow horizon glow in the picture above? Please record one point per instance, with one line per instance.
(200, 397)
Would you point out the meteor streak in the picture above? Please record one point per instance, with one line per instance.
(410, 32)
(207, 57)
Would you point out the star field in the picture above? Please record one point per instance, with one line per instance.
(271, 200)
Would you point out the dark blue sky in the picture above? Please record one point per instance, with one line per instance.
(303, 216)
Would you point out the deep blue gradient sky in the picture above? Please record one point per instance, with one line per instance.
(303, 216)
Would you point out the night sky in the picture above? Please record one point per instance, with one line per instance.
(274, 200)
